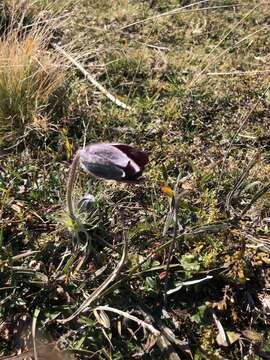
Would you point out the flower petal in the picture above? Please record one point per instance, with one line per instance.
(113, 161)
(101, 167)
(138, 156)
(108, 152)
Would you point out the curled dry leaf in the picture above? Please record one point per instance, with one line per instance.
(102, 318)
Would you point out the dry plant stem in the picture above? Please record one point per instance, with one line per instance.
(23, 356)
(91, 79)
(131, 317)
(97, 293)
(34, 325)
(172, 246)
(240, 180)
(70, 186)
(166, 341)
(256, 197)
(182, 10)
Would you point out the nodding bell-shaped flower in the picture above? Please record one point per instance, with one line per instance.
(113, 161)
(118, 162)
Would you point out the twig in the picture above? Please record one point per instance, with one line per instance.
(25, 254)
(96, 293)
(91, 79)
(131, 317)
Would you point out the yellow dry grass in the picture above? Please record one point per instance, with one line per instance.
(30, 74)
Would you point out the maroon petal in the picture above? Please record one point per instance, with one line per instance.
(140, 157)
(133, 171)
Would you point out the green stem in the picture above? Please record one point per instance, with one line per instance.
(70, 186)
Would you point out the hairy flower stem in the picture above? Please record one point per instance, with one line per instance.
(79, 227)
(70, 186)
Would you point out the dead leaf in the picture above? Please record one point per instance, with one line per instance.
(231, 337)
(252, 335)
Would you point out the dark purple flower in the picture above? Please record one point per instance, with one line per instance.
(113, 161)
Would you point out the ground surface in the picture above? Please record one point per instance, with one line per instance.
(198, 81)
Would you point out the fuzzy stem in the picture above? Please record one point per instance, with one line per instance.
(70, 186)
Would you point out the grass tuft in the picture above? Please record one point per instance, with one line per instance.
(30, 74)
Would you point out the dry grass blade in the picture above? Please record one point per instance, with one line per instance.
(140, 322)
(188, 283)
(221, 55)
(246, 117)
(239, 73)
(172, 246)
(91, 79)
(221, 330)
